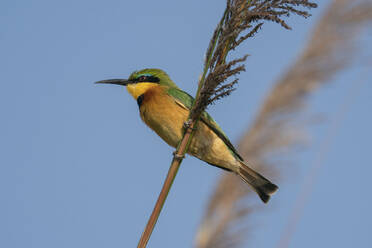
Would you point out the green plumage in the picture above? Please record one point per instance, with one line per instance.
(164, 108)
(163, 77)
(187, 101)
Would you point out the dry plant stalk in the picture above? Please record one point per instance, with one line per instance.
(241, 20)
(331, 49)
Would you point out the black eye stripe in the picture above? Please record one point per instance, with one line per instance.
(151, 79)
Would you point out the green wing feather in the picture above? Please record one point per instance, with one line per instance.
(186, 101)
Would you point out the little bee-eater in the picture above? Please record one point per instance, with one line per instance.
(165, 108)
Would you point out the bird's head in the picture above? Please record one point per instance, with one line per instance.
(140, 81)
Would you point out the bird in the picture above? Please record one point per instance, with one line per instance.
(165, 108)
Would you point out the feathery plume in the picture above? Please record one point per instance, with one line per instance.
(330, 50)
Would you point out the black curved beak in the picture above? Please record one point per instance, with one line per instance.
(123, 82)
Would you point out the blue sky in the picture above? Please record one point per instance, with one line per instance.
(78, 168)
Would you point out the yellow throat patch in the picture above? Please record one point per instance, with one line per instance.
(140, 88)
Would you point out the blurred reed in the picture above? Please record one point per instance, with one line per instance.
(240, 21)
(279, 128)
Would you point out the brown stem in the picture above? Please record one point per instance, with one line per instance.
(172, 172)
(179, 153)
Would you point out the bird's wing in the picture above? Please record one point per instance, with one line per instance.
(185, 101)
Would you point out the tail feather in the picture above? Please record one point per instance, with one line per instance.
(261, 185)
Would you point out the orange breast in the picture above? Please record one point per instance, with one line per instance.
(160, 112)
(163, 115)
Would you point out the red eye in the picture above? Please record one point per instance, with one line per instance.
(142, 78)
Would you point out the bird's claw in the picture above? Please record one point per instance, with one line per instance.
(177, 156)
(187, 125)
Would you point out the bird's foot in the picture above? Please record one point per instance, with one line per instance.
(177, 156)
(187, 125)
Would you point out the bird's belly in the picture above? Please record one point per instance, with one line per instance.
(167, 121)
(207, 146)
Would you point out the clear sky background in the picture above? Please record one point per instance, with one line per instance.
(78, 168)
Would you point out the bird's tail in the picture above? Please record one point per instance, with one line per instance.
(261, 185)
